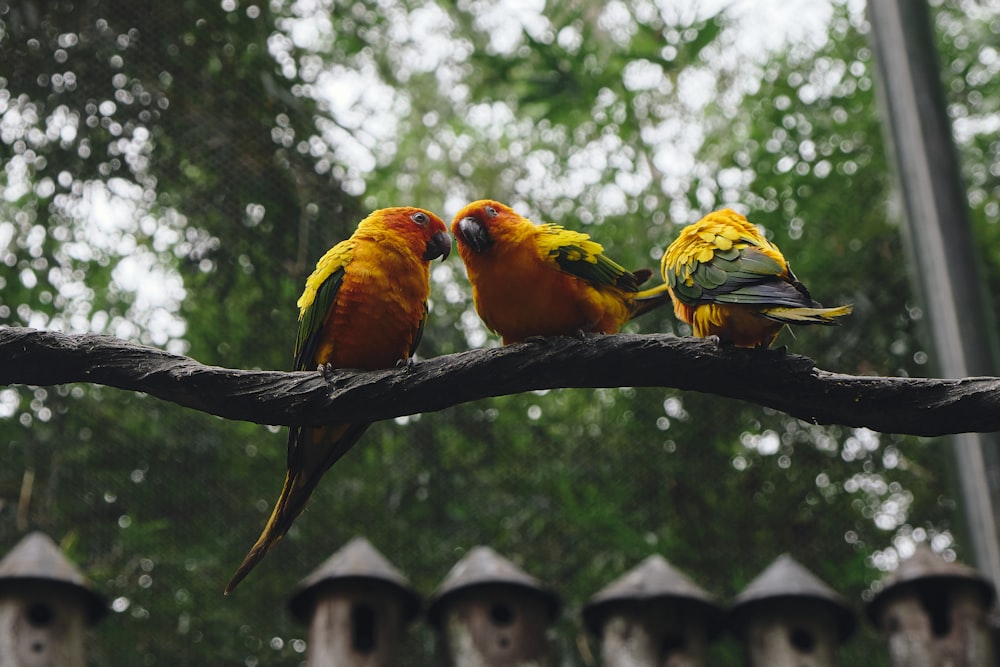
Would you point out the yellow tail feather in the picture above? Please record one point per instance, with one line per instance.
(825, 316)
(277, 525)
(311, 453)
(648, 299)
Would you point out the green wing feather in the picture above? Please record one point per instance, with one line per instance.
(311, 321)
(317, 301)
(420, 331)
(741, 275)
(577, 254)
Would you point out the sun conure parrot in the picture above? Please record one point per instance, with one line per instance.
(728, 281)
(363, 307)
(544, 280)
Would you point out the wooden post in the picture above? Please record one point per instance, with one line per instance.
(932, 613)
(357, 606)
(492, 614)
(787, 617)
(45, 603)
(946, 257)
(653, 616)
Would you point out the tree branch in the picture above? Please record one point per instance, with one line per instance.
(786, 382)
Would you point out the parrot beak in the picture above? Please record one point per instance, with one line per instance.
(473, 234)
(439, 245)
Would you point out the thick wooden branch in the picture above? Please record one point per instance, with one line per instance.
(786, 382)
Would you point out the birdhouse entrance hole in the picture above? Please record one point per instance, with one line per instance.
(40, 615)
(672, 643)
(937, 603)
(501, 614)
(803, 640)
(364, 628)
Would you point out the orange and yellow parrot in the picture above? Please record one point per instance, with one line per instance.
(544, 280)
(728, 281)
(363, 307)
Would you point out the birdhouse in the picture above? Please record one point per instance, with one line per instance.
(788, 617)
(45, 604)
(653, 616)
(357, 606)
(933, 612)
(490, 612)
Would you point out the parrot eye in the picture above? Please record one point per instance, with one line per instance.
(491, 212)
(420, 218)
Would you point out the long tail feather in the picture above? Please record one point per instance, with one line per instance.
(648, 299)
(825, 316)
(312, 454)
(290, 504)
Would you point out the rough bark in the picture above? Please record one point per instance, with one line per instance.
(786, 382)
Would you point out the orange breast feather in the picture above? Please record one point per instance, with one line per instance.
(385, 284)
(521, 293)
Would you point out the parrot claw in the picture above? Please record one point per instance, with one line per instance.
(326, 370)
(407, 363)
(714, 340)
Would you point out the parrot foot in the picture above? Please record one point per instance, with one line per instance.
(326, 370)
(714, 340)
(407, 363)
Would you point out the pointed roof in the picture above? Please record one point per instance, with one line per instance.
(37, 559)
(652, 579)
(926, 568)
(786, 578)
(356, 561)
(482, 566)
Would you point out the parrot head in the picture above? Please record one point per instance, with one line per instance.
(478, 224)
(423, 231)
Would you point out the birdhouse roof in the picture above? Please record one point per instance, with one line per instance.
(926, 568)
(652, 579)
(786, 578)
(483, 566)
(356, 561)
(36, 559)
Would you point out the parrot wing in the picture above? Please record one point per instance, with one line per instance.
(577, 254)
(743, 274)
(420, 331)
(316, 304)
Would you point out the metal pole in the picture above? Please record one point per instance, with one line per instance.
(934, 200)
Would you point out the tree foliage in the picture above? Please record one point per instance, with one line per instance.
(171, 174)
